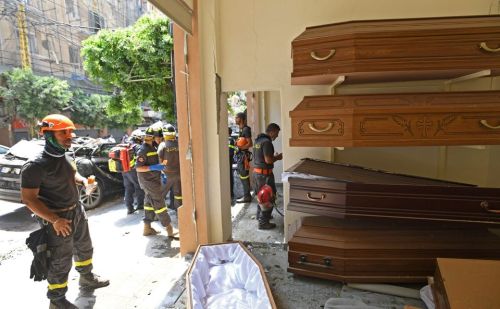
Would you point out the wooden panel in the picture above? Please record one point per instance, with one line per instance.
(414, 119)
(367, 251)
(385, 50)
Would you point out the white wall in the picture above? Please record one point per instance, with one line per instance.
(255, 54)
(270, 111)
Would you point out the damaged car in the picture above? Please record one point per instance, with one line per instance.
(91, 158)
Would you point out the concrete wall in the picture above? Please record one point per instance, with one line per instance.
(254, 54)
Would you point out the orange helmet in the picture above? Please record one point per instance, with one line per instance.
(56, 122)
(265, 197)
(241, 142)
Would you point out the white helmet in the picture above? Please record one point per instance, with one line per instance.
(137, 135)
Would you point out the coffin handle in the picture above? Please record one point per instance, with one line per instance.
(316, 57)
(484, 46)
(486, 206)
(315, 199)
(313, 127)
(485, 123)
(327, 262)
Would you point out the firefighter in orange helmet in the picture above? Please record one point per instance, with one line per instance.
(243, 156)
(48, 188)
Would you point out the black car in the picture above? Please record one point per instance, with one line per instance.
(91, 158)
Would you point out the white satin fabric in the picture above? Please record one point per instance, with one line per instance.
(224, 276)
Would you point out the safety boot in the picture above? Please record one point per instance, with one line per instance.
(61, 303)
(267, 226)
(264, 218)
(148, 230)
(244, 199)
(170, 231)
(92, 281)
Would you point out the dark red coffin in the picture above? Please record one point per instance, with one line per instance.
(344, 191)
(366, 251)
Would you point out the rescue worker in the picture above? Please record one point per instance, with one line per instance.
(48, 188)
(169, 156)
(232, 149)
(148, 171)
(243, 156)
(130, 180)
(264, 158)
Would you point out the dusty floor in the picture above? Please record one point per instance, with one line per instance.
(149, 273)
(290, 291)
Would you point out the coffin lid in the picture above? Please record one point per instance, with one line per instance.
(357, 174)
(397, 27)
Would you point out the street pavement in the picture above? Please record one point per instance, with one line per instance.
(142, 270)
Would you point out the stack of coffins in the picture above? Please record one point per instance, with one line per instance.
(375, 226)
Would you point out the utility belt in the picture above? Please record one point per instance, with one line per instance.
(58, 210)
(262, 171)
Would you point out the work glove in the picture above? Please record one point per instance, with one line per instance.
(156, 167)
(37, 242)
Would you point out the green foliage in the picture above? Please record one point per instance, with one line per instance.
(134, 63)
(33, 97)
(236, 102)
(93, 111)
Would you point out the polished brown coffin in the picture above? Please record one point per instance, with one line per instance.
(366, 251)
(396, 50)
(344, 191)
(410, 119)
(461, 284)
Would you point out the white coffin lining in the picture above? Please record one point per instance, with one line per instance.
(225, 276)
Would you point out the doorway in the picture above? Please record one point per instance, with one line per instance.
(261, 108)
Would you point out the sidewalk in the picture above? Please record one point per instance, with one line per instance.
(141, 269)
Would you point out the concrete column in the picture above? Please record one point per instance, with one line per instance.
(202, 120)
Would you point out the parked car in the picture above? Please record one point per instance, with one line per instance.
(91, 158)
(3, 149)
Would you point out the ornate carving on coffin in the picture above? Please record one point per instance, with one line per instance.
(400, 121)
(332, 127)
(443, 123)
(424, 124)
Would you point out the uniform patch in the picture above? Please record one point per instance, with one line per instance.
(140, 159)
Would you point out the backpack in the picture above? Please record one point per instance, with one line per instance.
(121, 158)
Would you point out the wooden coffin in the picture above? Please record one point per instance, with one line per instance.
(366, 251)
(412, 119)
(396, 50)
(227, 276)
(344, 191)
(463, 284)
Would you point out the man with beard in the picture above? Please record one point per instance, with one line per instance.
(48, 188)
